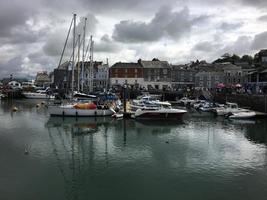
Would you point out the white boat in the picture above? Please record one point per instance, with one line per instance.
(162, 110)
(39, 94)
(117, 115)
(229, 108)
(73, 110)
(186, 101)
(243, 115)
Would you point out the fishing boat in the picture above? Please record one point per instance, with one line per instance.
(160, 110)
(80, 110)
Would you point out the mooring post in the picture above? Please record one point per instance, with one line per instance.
(265, 103)
(124, 98)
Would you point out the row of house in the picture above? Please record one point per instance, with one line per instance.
(159, 75)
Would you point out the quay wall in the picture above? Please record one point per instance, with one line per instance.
(254, 102)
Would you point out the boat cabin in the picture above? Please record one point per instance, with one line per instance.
(231, 105)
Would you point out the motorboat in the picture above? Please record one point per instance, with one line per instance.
(80, 110)
(229, 108)
(243, 115)
(117, 115)
(186, 101)
(39, 94)
(160, 110)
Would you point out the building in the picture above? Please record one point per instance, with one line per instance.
(182, 76)
(42, 79)
(209, 78)
(157, 74)
(233, 74)
(62, 77)
(126, 73)
(101, 77)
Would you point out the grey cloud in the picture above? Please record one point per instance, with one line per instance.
(106, 45)
(13, 66)
(255, 3)
(263, 18)
(14, 13)
(225, 26)
(165, 23)
(206, 46)
(90, 24)
(240, 46)
(259, 41)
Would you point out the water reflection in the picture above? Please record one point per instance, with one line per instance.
(103, 158)
(78, 126)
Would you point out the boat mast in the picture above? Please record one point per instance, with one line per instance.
(65, 44)
(91, 70)
(73, 58)
(84, 29)
(78, 66)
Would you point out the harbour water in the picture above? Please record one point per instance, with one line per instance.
(103, 158)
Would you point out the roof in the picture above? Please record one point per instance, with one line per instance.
(155, 64)
(64, 65)
(263, 52)
(126, 65)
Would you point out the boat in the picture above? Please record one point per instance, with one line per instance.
(80, 110)
(39, 94)
(242, 115)
(117, 115)
(160, 110)
(229, 108)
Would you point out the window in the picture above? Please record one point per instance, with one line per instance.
(165, 71)
(135, 70)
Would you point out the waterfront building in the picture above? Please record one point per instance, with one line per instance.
(233, 74)
(257, 81)
(42, 79)
(209, 78)
(261, 58)
(62, 76)
(182, 76)
(126, 73)
(157, 74)
(101, 77)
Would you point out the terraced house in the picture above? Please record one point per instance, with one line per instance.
(157, 74)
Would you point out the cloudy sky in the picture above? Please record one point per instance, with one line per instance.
(32, 32)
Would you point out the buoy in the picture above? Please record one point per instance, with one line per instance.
(14, 109)
(167, 142)
(43, 102)
(26, 152)
(37, 105)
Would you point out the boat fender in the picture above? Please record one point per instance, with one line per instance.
(63, 113)
(95, 113)
(76, 113)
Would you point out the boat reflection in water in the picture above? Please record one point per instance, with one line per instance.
(78, 126)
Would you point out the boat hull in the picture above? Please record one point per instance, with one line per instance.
(243, 115)
(30, 95)
(73, 112)
(159, 114)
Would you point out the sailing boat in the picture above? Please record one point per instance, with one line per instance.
(80, 109)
